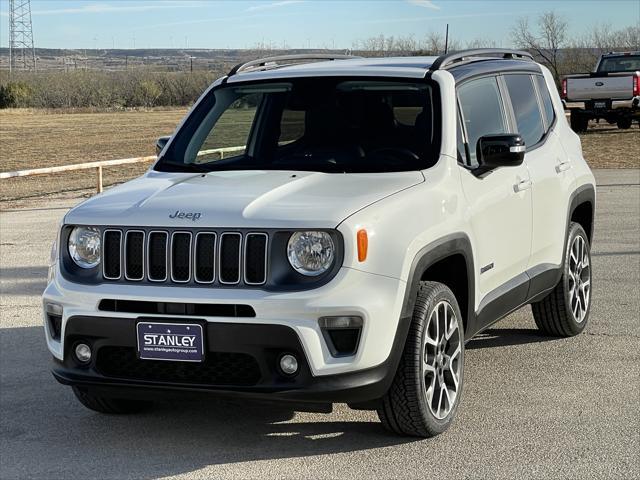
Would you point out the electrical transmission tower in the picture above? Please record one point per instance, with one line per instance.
(22, 54)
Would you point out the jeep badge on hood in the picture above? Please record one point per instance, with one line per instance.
(193, 216)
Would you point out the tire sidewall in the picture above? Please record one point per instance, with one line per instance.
(436, 424)
(575, 231)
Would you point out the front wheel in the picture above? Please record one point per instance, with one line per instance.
(425, 393)
(565, 311)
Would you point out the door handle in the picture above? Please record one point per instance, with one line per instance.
(522, 186)
(563, 167)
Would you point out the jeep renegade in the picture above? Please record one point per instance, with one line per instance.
(329, 229)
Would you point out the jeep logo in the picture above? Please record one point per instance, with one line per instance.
(193, 216)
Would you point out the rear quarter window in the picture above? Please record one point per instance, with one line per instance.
(549, 112)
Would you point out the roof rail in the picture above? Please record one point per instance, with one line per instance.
(444, 61)
(274, 62)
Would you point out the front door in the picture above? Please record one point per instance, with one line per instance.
(500, 207)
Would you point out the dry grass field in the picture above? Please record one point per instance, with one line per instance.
(32, 139)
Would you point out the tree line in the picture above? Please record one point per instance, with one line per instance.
(547, 37)
(102, 89)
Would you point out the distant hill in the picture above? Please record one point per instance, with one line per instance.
(163, 59)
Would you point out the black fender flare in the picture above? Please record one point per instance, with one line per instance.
(452, 244)
(584, 194)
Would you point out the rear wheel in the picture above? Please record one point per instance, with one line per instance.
(110, 405)
(565, 311)
(579, 121)
(427, 387)
(624, 122)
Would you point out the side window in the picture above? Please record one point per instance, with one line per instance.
(549, 113)
(482, 110)
(526, 108)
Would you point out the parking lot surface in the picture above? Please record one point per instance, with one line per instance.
(532, 407)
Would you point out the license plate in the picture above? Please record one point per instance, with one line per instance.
(600, 105)
(179, 342)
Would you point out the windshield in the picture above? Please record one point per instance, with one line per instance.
(625, 63)
(324, 125)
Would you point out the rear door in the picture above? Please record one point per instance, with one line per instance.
(499, 204)
(549, 167)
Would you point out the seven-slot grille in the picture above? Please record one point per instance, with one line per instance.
(185, 257)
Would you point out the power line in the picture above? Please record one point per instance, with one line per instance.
(22, 54)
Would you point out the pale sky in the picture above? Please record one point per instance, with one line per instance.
(293, 23)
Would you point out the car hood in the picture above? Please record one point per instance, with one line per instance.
(242, 199)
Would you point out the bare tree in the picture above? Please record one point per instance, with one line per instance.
(545, 41)
(480, 43)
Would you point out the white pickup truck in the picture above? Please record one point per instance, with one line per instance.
(611, 92)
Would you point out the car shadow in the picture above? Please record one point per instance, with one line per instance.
(46, 433)
(503, 337)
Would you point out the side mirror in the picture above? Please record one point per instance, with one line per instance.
(495, 151)
(160, 144)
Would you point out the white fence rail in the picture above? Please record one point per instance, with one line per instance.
(105, 163)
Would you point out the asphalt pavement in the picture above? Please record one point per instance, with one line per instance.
(532, 407)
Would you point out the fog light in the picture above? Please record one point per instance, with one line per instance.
(83, 353)
(288, 364)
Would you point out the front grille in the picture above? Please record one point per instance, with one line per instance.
(219, 368)
(157, 256)
(230, 259)
(134, 255)
(185, 257)
(181, 257)
(111, 257)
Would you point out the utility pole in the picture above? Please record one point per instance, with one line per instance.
(22, 54)
(446, 40)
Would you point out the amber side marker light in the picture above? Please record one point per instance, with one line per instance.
(363, 245)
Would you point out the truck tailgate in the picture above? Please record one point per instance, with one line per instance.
(600, 87)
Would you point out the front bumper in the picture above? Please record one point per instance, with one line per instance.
(375, 298)
(241, 360)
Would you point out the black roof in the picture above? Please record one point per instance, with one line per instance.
(492, 65)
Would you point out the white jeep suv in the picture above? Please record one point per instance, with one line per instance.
(329, 229)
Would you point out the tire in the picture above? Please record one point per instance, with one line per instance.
(624, 123)
(579, 122)
(113, 406)
(565, 311)
(412, 405)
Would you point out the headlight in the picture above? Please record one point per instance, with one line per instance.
(84, 246)
(311, 253)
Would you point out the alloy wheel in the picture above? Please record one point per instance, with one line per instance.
(579, 278)
(441, 364)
